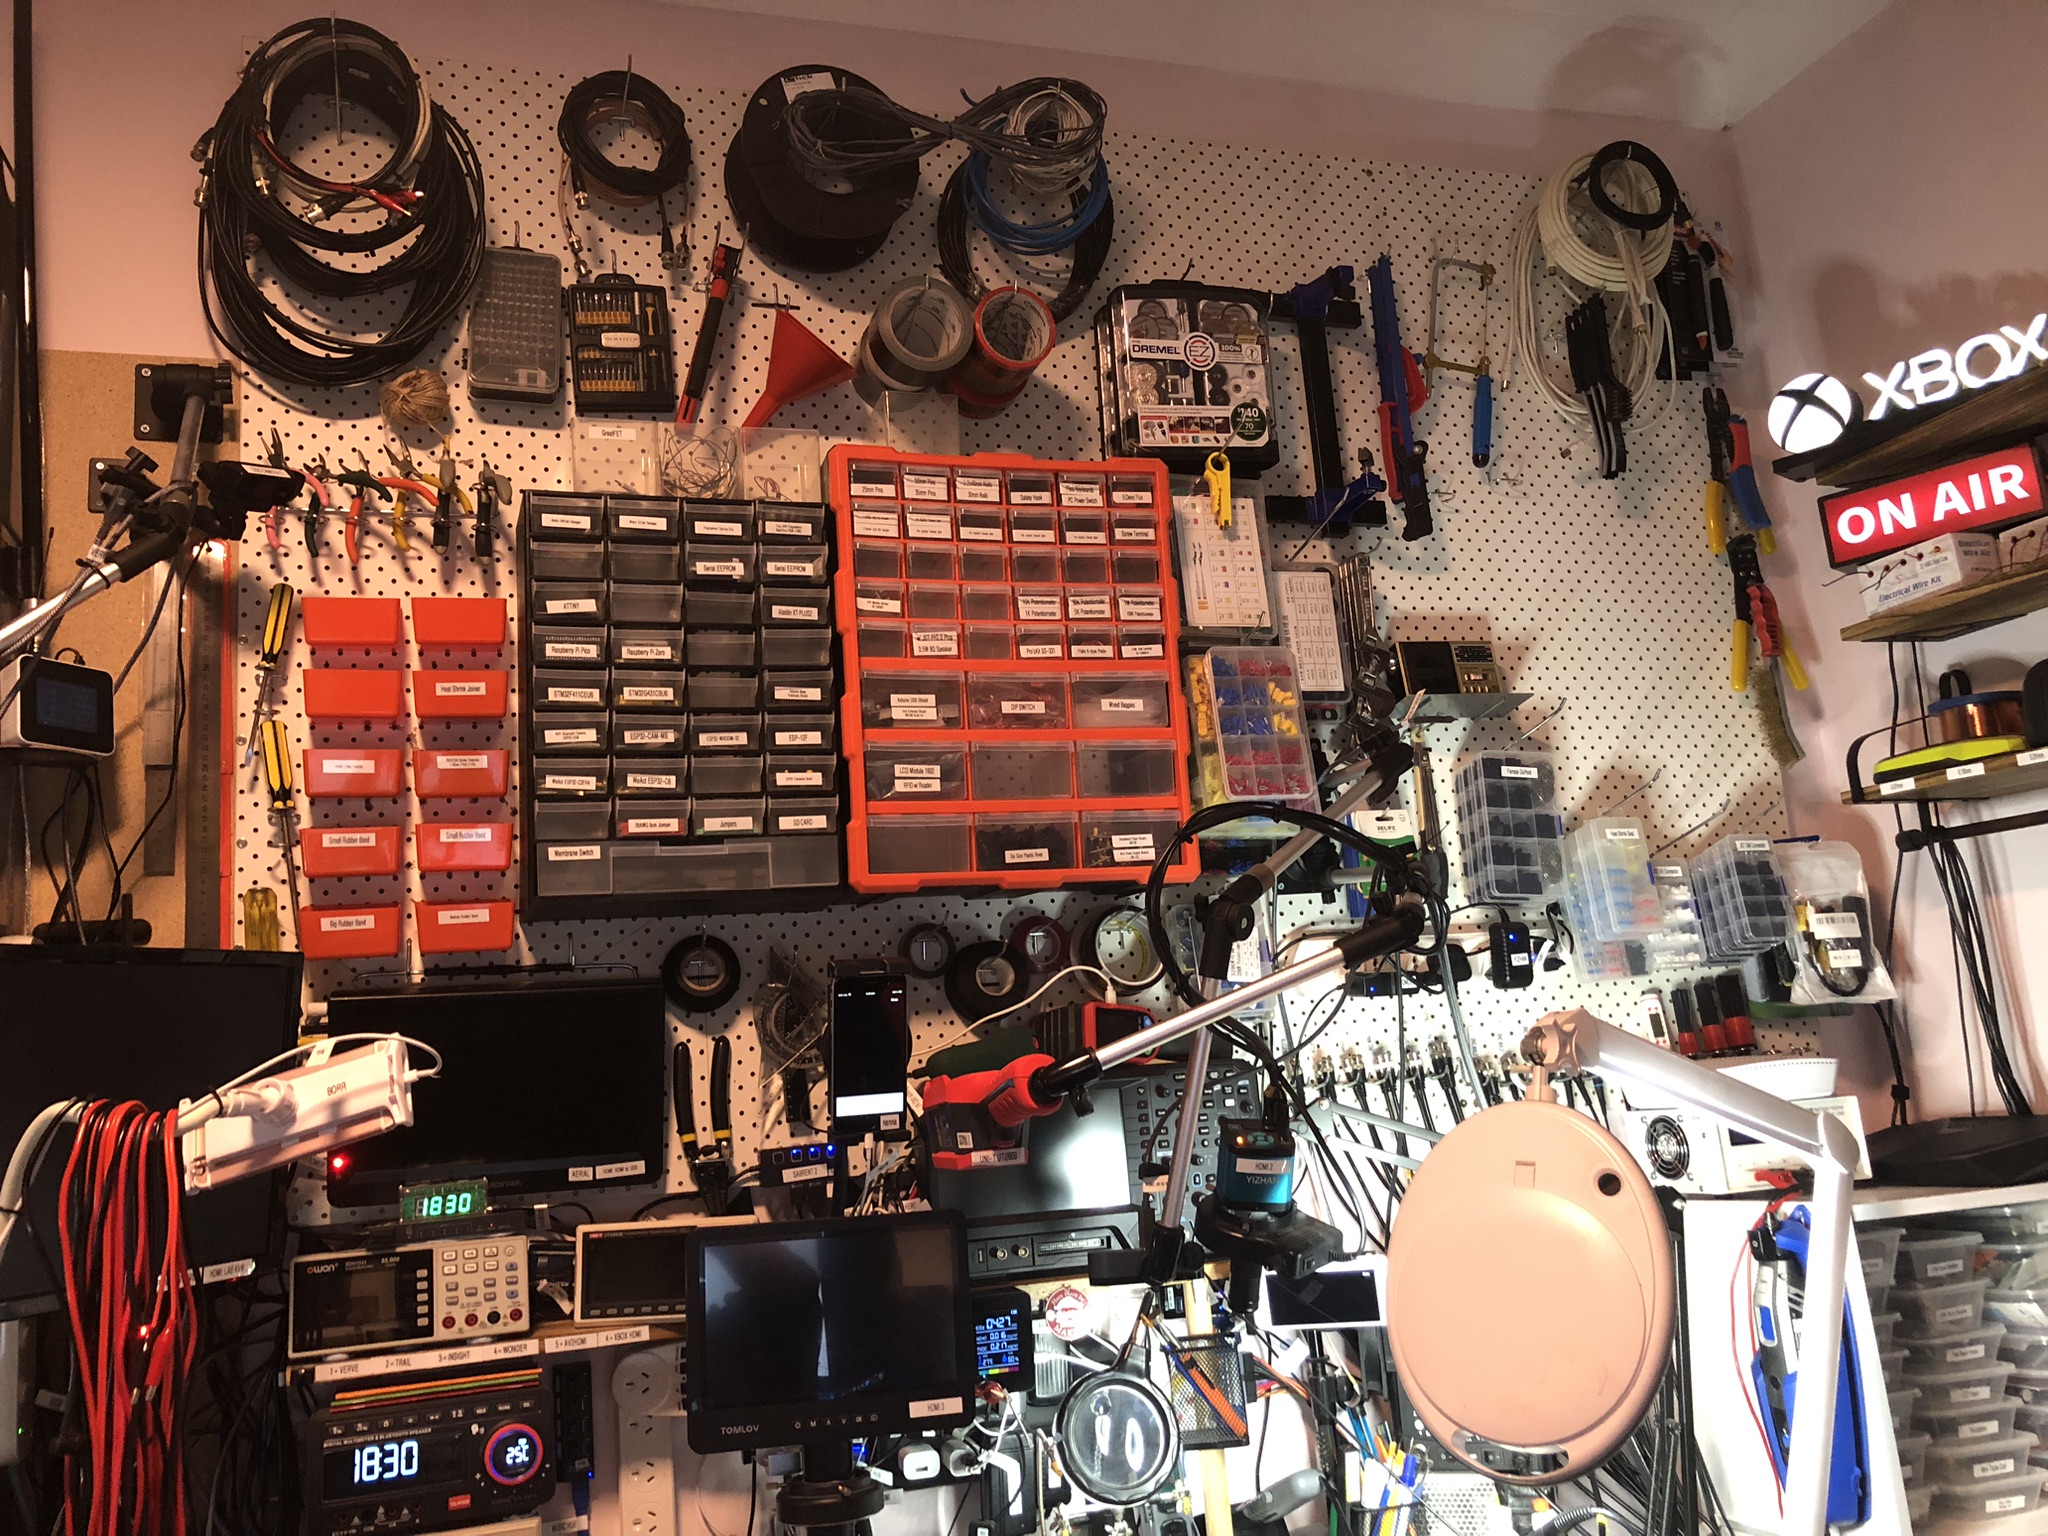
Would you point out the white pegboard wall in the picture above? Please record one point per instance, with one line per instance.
(1600, 598)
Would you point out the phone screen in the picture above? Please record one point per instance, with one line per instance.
(870, 1047)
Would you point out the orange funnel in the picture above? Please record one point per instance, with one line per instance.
(798, 364)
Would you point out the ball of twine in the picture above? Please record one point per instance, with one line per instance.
(417, 398)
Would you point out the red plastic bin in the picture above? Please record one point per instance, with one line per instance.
(461, 774)
(448, 695)
(353, 773)
(349, 933)
(342, 693)
(459, 623)
(339, 623)
(462, 927)
(464, 845)
(326, 852)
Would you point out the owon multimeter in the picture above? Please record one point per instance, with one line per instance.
(416, 1294)
(435, 1455)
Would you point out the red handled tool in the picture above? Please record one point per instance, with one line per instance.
(725, 265)
(361, 484)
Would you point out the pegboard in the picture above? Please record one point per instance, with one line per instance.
(1599, 598)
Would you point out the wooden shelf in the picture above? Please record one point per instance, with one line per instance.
(1876, 1202)
(2010, 773)
(1984, 419)
(1948, 614)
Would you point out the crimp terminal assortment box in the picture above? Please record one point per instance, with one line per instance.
(677, 733)
(1013, 714)
(1743, 906)
(1512, 835)
(1251, 742)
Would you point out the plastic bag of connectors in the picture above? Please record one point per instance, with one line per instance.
(1834, 937)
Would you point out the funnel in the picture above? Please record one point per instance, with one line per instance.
(798, 364)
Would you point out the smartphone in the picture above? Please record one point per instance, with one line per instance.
(870, 1051)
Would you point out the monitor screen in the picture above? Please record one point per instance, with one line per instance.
(154, 1025)
(833, 1331)
(555, 1086)
(1074, 1162)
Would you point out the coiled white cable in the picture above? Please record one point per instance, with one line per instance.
(1590, 251)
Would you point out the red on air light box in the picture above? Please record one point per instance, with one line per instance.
(1976, 496)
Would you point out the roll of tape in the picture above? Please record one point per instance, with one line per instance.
(700, 974)
(1014, 332)
(985, 978)
(921, 330)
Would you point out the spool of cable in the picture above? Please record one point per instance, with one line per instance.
(985, 978)
(616, 94)
(815, 224)
(1090, 251)
(700, 974)
(1014, 332)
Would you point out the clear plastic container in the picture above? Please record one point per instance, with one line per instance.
(640, 778)
(1980, 1346)
(979, 564)
(705, 561)
(878, 599)
(1902, 1400)
(1939, 1311)
(564, 562)
(1913, 1456)
(910, 700)
(643, 562)
(1679, 945)
(916, 773)
(793, 773)
(2025, 1347)
(1999, 1223)
(725, 692)
(1017, 701)
(1744, 909)
(1932, 1258)
(1085, 568)
(632, 690)
(803, 564)
(991, 642)
(1090, 605)
(650, 735)
(796, 692)
(1140, 605)
(1608, 860)
(568, 602)
(2029, 1386)
(742, 817)
(1125, 839)
(802, 733)
(803, 814)
(1991, 1499)
(2021, 1266)
(718, 610)
(931, 562)
(642, 520)
(1882, 1324)
(1120, 701)
(1971, 1461)
(718, 522)
(1508, 823)
(995, 604)
(1008, 843)
(933, 600)
(721, 648)
(555, 516)
(658, 606)
(646, 648)
(1961, 1385)
(919, 845)
(572, 778)
(1879, 1297)
(1091, 642)
(562, 689)
(1035, 605)
(796, 647)
(724, 733)
(882, 640)
(572, 733)
(1965, 1421)
(2019, 1307)
(790, 524)
(1877, 1248)
(938, 638)
(1041, 771)
(1117, 770)
(557, 647)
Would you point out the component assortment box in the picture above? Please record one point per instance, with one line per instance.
(1013, 715)
(678, 685)
(1512, 835)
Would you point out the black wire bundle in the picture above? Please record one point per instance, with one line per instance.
(612, 93)
(1973, 958)
(1035, 146)
(1091, 250)
(251, 199)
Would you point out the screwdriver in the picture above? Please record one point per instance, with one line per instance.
(277, 628)
(259, 919)
(284, 810)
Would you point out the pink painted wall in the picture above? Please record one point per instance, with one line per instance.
(1894, 196)
(124, 93)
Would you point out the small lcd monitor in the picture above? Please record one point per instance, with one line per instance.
(827, 1332)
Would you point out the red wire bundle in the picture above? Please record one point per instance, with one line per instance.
(133, 1322)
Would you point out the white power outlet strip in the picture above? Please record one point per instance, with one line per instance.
(647, 1387)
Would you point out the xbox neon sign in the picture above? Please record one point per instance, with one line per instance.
(1814, 409)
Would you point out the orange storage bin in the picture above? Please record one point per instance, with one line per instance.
(464, 845)
(349, 773)
(459, 623)
(461, 774)
(340, 693)
(349, 933)
(325, 852)
(337, 623)
(462, 927)
(443, 695)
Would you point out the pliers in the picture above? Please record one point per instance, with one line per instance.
(1733, 478)
(407, 482)
(493, 490)
(449, 485)
(317, 501)
(1757, 609)
(361, 484)
(275, 454)
(710, 1167)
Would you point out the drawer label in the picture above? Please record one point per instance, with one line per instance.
(1966, 771)
(1962, 1354)
(799, 738)
(972, 485)
(1132, 848)
(1039, 605)
(913, 706)
(651, 826)
(783, 528)
(648, 693)
(349, 922)
(1517, 771)
(572, 650)
(1093, 650)
(1624, 834)
(795, 693)
(1133, 533)
(348, 766)
(932, 771)
(1087, 536)
(454, 834)
(642, 522)
(1028, 496)
(348, 839)
(1977, 1429)
(1089, 605)
(928, 525)
(799, 778)
(570, 605)
(576, 522)
(796, 568)
(728, 823)
(875, 604)
(875, 522)
(1080, 493)
(634, 651)
(923, 485)
(808, 822)
(559, 694)
(465, 688)
(1020, 534)
(803, 613)
(732, 570)
(455, 762)
(723, 738)
(1042, 651)
(1115, 704)
(654, 781)
(1144, 650)
(1943, 1269)
(2001, 1467)
(575, 853)
(2010, 1504)
(650, 736)
(1977, 1394)
(1752, 845)
(1130, 496)
(1023, 706)
(1027, 855)
(718, 530)
(980, 533)
(1956, 1314)
(937, 642)
(462, 917)
(571, 781)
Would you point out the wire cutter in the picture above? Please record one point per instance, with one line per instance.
(361, 484)
(1733, 479)
(1757, 609)
(493, 490)
(449, 486)
(710, 1167)
(407, 481)
(318, 502)
(275, 454)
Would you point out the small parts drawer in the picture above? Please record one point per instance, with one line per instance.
(349, 933)
(463, 927)
(346, 694)
(460, 695)
(330, 852)
(464, 845)
(340, 623)
(459, 623)
(347, 773)
(461, 775)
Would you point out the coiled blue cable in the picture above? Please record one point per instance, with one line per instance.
(1032, 239)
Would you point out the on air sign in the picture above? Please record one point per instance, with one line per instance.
(1977, 495)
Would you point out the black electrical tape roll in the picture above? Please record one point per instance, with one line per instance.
(922, 936)
(984, 979)
(1614, 154)
(793, 219)
(1039, 944)
(646, 104)
(700, 974)
(1090, 252)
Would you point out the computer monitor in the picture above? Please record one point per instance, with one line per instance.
(153, 1025)
(827, 1332)
(544, 1087)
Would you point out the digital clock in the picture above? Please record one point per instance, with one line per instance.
(443, 1202)
(387, 1462)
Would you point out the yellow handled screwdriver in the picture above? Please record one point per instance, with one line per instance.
(259, 919)
(284, 810)
(277, 629)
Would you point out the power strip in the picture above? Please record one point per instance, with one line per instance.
(647, 1386)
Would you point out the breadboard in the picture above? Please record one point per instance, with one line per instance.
(1599, 598)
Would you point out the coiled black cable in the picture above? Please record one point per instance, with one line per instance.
(1091, 250)
(615, 92)
(251, 225)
